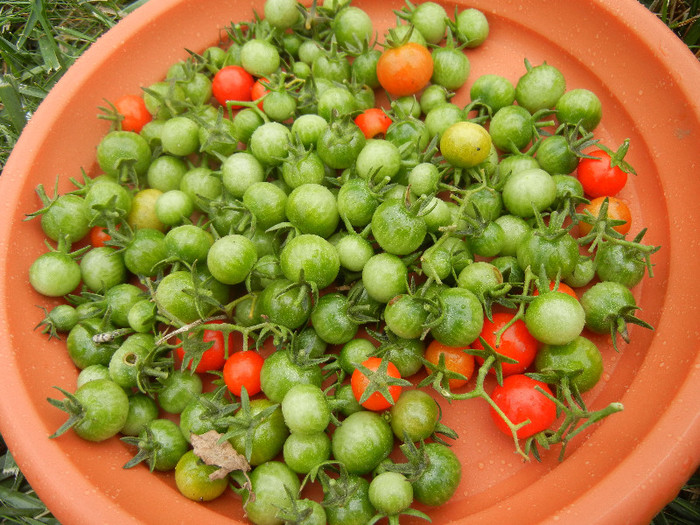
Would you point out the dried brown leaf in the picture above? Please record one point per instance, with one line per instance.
(207, 447)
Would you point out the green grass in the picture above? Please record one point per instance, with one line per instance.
(40, 39)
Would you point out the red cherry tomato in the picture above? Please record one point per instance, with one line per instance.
(214, 357)
(99, 236)
(605, 174)
(516, 342)
(259, 91)
(376, 401)
(562, 287)
(133, 109)
(373, 122)
(232, 83)
(242, 369)
(520, 402)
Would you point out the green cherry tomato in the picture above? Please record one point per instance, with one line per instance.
(313, 209)
(69, 216)
(580, 106)
(305, 409)
(120, 152)
(310, 258)
(528, 191)
(362, 441)
(280, 373)
(178, 390)
(266, 435)
(384, 276)
(540, 88)
(414, 415)
(54, 274)
(271, 482)
(231, 258)
(462, 320)
(104, 408)
(440, 479)
(397, 229)
(390, 493)
(142, 410)
(303, 452)
(555, 318)
(193, 479)
(580, 358)
(82, 350)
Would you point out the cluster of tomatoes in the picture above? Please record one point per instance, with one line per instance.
(257, 197)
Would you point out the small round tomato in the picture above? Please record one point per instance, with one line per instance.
(134, 111)
(232, 83)
(390, 493)
(520, 402)
(231, 258)
(192, 477)
(259, 91)
(260, 426)
(456, 360)
(580, 357)
(214, 357)
(362, 441)
(617, 211)
(100, 408)
(599, 176)
(305, 409)
(414, 415)
(516, 342)
(439, 480)
(405, 70)
(242, 369)
(373, 122)
(54, 274)
(555, 318)
(465, 144)
(560, 287)
(376, 400)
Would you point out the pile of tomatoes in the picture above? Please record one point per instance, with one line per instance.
(270, 256)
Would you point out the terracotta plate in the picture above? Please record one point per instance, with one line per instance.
(623, 471)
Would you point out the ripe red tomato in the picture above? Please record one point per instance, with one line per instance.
(520, 402)
(405, 70)
(214, 357)
(617, 210)
(133, 109)
(456, 360)
(242, 369)
(516, 342)
(599, 177)
(99, 236)
(232, 83)
(359, 383)
(562, 287)
(373, 122)
(259, 91)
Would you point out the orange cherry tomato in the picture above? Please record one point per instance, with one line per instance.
(456, 360)
(617, 210)
(359, 383)
(405, 70)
